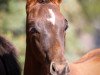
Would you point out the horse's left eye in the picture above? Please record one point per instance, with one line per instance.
(66, 24)
(66, 27)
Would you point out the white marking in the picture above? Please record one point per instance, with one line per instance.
(52, 18)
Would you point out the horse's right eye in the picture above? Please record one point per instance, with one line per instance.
(33, 30)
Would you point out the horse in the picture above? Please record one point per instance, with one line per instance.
(89, 64)
(45, 32)
(8, 60)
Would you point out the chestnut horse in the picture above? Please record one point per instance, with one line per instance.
(8, 62)
(45, 31)
(89, 64)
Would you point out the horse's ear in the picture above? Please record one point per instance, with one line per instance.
(29, 2)
(56, 1)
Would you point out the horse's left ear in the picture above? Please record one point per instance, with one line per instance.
(56, 1)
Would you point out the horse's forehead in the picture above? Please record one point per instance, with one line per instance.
(45, 14)
(52, 16)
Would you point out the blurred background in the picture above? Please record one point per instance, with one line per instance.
(82, 35)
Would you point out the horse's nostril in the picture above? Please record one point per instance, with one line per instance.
(53, 68)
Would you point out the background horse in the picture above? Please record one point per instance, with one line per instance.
(45, 28)
(8, 62)
(89, 64)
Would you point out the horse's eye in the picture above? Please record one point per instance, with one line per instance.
(66, 27)
(33, 30)
(66, 24)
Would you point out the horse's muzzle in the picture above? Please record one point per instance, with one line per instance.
(59, 69)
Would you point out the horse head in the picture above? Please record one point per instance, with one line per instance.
(46, 28)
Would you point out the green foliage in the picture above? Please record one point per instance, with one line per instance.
(12, 21)
(4, 5)
(91, 8)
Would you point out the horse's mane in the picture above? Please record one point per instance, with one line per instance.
(8, 58)
(93, 54)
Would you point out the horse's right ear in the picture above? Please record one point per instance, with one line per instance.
(31, 2)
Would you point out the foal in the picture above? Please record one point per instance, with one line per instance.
(45, 29)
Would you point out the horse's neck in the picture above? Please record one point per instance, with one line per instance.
(32, 66)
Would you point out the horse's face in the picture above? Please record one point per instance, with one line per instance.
(46, 27)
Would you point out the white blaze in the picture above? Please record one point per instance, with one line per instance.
(52, 18)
